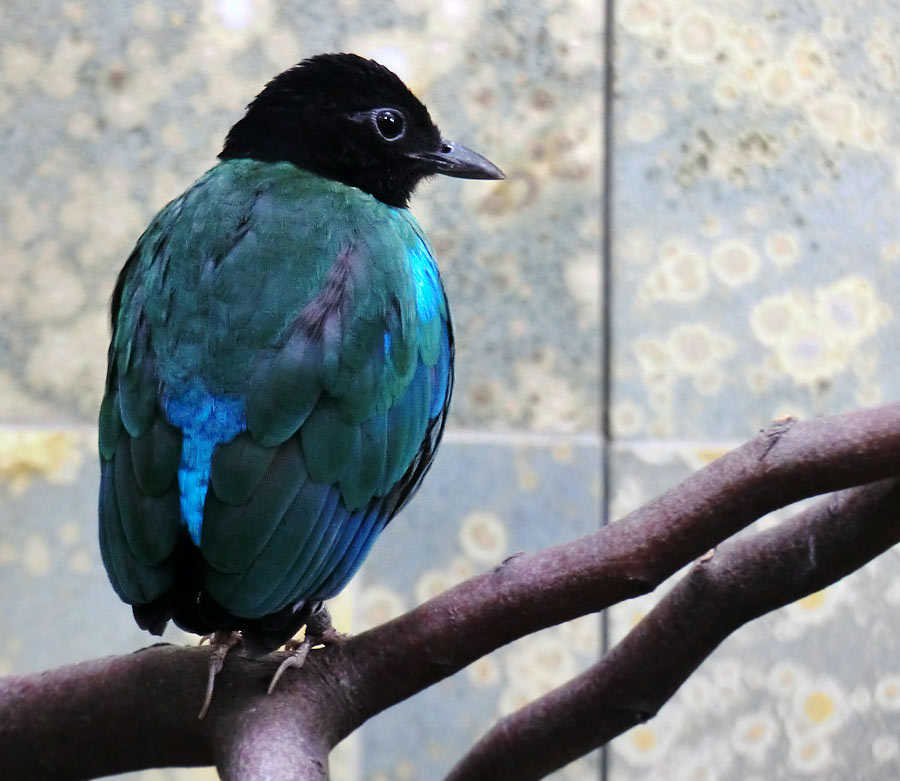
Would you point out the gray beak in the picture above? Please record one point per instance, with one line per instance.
(456, 160)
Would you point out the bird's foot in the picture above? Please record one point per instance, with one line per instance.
(319, 631)
(222, 643)
(297, 650)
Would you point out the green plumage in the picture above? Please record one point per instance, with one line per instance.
(308, 317)
(226, 269)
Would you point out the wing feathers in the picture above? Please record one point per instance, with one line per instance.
(233, 536)
(329, 443)
(284, 388)
(238, 468)
(134, 581)
(257, 590)
(340, 569)
(150, 523)
(155, 457)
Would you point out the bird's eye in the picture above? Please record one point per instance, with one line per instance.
(389, 124)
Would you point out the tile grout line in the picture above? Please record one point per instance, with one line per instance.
(452, 435)
(462, 435)
(606, 309)
(522, 437)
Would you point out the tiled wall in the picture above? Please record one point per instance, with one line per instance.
(754, 239)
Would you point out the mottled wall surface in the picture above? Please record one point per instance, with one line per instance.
(112, 111)
(754, 247)
(756, 234)
(113, 108)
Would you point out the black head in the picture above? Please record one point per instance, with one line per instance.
(352, 120)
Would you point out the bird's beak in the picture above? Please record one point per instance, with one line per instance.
(456, 160)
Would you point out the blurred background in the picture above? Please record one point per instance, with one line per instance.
(749, 253)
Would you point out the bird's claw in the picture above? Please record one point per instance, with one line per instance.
(222, 643)
(319, 631)
(297, 653)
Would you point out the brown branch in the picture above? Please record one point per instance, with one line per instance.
(139, 710)
(743, 580)
(787, 462)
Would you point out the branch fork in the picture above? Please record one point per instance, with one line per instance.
(139, 711)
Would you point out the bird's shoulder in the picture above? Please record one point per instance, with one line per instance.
(271, 230)
(252, 246)
(266, 280)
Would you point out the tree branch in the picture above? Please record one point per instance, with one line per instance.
(786, 462)
(136, 711)
(140, 710)
(744, 579)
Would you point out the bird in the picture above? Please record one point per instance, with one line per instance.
(281, 360)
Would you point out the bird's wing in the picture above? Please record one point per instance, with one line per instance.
(305, 512)
(336, 338)
(343, 417)
(139, 451)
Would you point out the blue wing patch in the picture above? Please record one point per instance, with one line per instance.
(206, 420)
